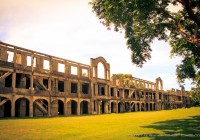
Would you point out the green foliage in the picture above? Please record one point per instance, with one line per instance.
(121, 76)
(145, 21)
(195, 96)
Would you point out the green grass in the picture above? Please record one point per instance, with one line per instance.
(171, 124)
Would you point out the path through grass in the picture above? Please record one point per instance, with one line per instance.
(166, 124)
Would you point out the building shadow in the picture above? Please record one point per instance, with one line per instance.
(182, 129)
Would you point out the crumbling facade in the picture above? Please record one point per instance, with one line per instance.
(37, 84)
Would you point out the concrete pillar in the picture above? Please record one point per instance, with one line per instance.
(78, 108)
(13, 109)
(13, 81)
(49, 108)
(65, 107)
(31, 108)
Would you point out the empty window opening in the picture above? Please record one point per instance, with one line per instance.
(61, 86)
(22, 81)
(118, 93)
(8, 81)
(142, 95)
(133, 95)
(34, 61)
(85, 88)
(101, 70)
(101, 90)
(126, 93)
(61, 67)
(74, 70)
(45, 83)
(112, 91)
(46, 65)
(10, 56)
(84, 72)
(160, 96)
(18, 58)
(28, 60)
(73, 87)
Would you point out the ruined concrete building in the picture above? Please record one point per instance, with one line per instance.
(37, 84)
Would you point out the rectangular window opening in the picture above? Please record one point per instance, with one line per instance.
(28, 60)
(112, 91)
(61, 67)
(74, 87)
(61, 86)
(10, 56)
(74, 70)
(85, 88)
(84, 72)
(46, 65)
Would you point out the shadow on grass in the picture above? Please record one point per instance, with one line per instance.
(182, 129)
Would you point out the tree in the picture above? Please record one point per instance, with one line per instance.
(195, 96)
(143, 21)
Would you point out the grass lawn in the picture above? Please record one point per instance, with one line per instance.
(167, 124)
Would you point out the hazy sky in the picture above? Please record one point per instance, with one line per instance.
(68, 29)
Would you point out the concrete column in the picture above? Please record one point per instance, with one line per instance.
(49, 107)
(140, 106)
(49, 84)
(149, 106)
(65, 107)
(13, 81)
(78, 108)
(13, 109)
(31, 108)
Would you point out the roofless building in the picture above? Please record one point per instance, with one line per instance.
(37, 84)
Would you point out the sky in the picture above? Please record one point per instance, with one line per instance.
(70, 30)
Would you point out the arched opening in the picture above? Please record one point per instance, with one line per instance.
(142, 107)
(5, 107)
(84, 107)
(72, 107)
(138, 107)
(147, 106)
(127, 106)
(132, 107)
(60, 107)
(113, 107)
(40, 107)
(103, 106)
(120, 107)
(101, 71)
(21, 107)
(151, 106)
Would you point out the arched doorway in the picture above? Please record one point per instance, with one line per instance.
(60, 107)
(127, 107)
(5, 107)
(113, 107)
(84, 107)
(40, 107)
(22, 107)
(72, 107)
(120, 107)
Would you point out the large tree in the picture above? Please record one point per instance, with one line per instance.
(144, 20)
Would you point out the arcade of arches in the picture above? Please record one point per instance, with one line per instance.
(37, 84)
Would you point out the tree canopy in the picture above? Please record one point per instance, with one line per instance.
(143, 21)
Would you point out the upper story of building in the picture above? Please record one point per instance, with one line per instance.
(38, 68)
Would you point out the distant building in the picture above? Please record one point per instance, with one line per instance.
(37, 84)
